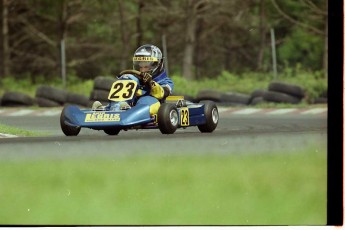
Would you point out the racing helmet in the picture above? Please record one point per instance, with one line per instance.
(151, 56)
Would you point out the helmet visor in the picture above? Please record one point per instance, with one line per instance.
(148, 63)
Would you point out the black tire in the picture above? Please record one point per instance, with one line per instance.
(272, 96)
(17, 99)
(257, 100)
(66, 129)
(258, 93)
(52, 93)
(78, 99)
(103, 83)
(212, 118)
(211, 95)
(293, 90)
(99, 95)
(167, 118)
(44, 102)
(236, 98)
(112, 131)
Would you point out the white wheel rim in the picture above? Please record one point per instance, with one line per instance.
(173, 117)
(215, 115)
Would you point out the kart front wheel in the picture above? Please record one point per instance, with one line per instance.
(167, 118)
(212, 117)
(66, 129)
(112, 131)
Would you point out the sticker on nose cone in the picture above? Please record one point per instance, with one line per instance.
(102, 117)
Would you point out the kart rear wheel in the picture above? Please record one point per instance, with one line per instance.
(212, 117)
(112, 131)
(167, 118)
(66, 129)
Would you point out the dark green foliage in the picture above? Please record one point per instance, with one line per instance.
(100, 36)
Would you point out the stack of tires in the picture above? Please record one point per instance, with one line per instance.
(16, 99)
(227, 98)
(278, 92)
(48, 96)
(101, 88)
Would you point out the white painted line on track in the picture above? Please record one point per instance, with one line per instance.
(49, 113)
(247, 111)
(315, 111)
(2, 135)
(281, 111)
(21, 112)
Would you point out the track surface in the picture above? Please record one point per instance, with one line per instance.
(235, 134)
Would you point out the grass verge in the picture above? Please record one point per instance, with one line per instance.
(271, 189)
(19, 132)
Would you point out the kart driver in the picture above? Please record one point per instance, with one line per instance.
(148, 59)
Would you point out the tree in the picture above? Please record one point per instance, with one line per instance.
(5, 48)
(314, 21)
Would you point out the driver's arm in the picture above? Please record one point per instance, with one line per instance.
(158, 91)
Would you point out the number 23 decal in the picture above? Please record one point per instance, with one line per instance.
(122, 90)
(184, 116)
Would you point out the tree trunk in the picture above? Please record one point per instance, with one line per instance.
(187, 68)
(5, 48)
(138, 21)
(62, 29)
(262, 29)
(325, 52)
(125, 38)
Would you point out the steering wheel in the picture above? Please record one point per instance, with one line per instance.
(132, 71)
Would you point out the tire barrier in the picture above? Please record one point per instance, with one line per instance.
(257, 100)
(51, 93)
(234, 99)
(48, 96)
(16, 99)
(77, 99)
(103, 83)
(256, 97)
(281, 92)
(271, 96)
(208, 94)
(101, 87)
(99, 95)
(44, 102)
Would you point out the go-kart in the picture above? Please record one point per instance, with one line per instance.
(175, 112)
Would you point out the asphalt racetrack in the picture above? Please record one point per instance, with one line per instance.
(235, 134)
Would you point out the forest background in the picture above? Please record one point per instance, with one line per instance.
(203, 38)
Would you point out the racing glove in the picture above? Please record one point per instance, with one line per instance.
(157, 90)
(146, 78)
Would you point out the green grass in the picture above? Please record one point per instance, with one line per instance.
(19, 132)
(276, 189)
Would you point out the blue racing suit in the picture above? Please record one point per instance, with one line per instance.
(161, 87)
